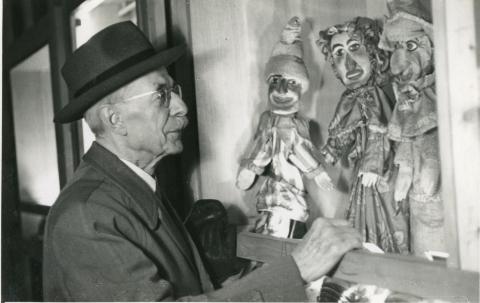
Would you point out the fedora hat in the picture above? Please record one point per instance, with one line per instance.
(110, 59)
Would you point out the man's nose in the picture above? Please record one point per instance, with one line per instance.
(398, 61)
(177, 106)
(350, 64)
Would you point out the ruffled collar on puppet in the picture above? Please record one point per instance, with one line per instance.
(362, 95)
(351, 111)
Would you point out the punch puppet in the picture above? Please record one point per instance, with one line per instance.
(281, 149)
(358, 131)
(408, 34)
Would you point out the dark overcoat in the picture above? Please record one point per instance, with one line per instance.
(109, 237)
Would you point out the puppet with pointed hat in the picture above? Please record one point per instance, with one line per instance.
(358, 131)
(408, 34)
(281, 148)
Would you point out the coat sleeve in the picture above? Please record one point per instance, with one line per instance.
(278, 281)
(99, 262)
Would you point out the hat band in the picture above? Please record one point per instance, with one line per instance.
(114, 70)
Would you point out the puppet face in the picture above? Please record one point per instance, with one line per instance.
(411, 60)
(351, 59)
(284, 94)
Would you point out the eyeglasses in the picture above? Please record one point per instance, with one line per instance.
(163, 94)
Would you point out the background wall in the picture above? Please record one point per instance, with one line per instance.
(231, 42)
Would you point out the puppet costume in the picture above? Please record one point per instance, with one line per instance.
(358, 131)
(281, 148)
(278, 139)
(413, 126)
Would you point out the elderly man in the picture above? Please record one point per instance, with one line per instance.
(109, 236)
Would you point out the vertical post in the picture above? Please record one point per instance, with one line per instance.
(68, 148)
(459, 127)
(179, 28)
(151, 19)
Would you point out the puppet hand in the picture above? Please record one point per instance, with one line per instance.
(245, 179)
(324, 181)
(402, 185)
(323, 246)
(369, 179)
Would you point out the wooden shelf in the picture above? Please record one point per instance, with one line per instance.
(405, 274)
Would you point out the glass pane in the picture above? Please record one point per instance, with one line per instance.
(35, 141)
(91, 17)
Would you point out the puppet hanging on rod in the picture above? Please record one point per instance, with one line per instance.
(408, 34)
(358, 131)
(281, 148)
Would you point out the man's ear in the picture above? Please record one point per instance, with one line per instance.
(112, 120)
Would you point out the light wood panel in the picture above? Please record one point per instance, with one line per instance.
(430, 280)
(459, 125)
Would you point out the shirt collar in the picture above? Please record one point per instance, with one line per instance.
(142, 174)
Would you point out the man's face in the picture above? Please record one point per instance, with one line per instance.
(284, 94)
(411, 60)
(152, 126)
(351, 60)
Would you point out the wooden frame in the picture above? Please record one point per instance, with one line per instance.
(459, 128)
(406, 274)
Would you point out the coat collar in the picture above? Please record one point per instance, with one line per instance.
(121, 174)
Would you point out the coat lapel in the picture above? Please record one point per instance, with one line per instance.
(148, 205)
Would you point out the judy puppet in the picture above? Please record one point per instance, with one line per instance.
(358, 131)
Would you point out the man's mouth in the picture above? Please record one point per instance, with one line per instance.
(354, 74)
(179, 125)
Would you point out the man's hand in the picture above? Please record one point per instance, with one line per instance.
(324, 181)
(369, 179)
(245, 179)
(323, 246)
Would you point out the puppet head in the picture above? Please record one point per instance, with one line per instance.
(351, 48)
(409, 38)
(285, 72)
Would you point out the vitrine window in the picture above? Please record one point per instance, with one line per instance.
(35, 142)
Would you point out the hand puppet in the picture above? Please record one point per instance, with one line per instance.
(281, 148)
(358, 131)
(408, 34)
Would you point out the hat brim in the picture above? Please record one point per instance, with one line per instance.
(77, 106)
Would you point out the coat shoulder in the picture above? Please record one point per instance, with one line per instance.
(89, 195)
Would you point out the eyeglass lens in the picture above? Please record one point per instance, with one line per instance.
(165, 94)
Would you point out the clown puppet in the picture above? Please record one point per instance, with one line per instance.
(408, 34)
(281, 148)
(358, 131)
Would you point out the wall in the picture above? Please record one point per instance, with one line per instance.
(231, 42)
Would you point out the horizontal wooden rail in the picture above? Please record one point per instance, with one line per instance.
(411, 275)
